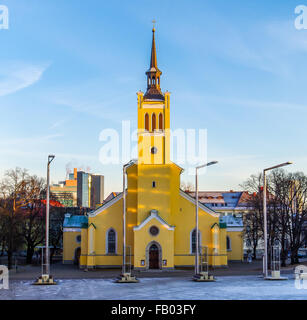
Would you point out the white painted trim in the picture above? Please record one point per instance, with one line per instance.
(71, 229)
(216, 238)
(200, 243)
(200, 205)
(150, 133)
(234, 229)
(107, 242)
(91, 240)
(154, 215)
(153, 106)
(106, 206)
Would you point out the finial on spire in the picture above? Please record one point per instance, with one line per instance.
(154, 24)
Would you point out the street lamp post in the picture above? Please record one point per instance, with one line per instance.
(50, 159)
(196, 214)
(265, 231)
(125, 276)
(46, 278)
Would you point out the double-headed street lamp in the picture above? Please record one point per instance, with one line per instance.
(265, 271)
(196, 213)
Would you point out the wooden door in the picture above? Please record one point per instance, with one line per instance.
(153, 257)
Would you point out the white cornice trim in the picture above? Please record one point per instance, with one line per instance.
(153, 106)
(154, 215)
(200, 205)
(106, 206)
(71, 229)
(150, 133)
(234, 229)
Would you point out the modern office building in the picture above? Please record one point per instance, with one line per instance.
(65, 192)
(82, 189)
(97, 190)
(83, 186)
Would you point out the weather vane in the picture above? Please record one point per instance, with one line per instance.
(153, 22)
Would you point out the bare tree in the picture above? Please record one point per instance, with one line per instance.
(298, 214)
(286, 212)
(253, 220)
(187, 187)
(12, 191)
(57, 215)
(32, 229)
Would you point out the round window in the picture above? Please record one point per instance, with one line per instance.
(78, 238)
(153, 150)
(154, 231)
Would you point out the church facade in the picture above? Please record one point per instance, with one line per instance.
(160, 217)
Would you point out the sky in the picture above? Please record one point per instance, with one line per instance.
(70, 69)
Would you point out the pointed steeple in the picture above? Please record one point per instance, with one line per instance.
(153, 74)
(153, 58)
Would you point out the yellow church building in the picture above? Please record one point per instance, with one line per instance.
(160, 217)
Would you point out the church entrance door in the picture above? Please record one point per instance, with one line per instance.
(153, 257)
(77, 256)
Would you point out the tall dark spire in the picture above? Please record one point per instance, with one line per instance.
(153, 58)
(153, 74)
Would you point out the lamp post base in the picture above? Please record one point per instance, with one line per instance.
(275, 275)
(204, 277)
(275, 278)
(45, 279)
(126, 278)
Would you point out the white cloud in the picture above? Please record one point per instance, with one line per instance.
(15, 76)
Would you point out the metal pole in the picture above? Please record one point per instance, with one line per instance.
(47, 221)
(196, 227)
(265, 271)
(124, 219)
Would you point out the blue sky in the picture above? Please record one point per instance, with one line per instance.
(69, 69)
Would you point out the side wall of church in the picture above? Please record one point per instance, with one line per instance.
(235, 252)
(70, 245)
(110, 218)
(185, 224)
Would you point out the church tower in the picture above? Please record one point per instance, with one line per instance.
(153, 116)
(157, 179)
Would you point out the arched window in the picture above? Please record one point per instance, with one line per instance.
(111, 241)
(153, 122)
(193, 240)
(146, 122)
(160, 121)
(228, 243)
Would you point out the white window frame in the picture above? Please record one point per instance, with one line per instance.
(200, 243)
(107, 241)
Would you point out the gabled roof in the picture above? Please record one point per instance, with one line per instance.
(106, 205)
(72, 221)
(201, 205)
(154, 215)
(111, 196)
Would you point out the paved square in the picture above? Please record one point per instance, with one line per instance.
(226, 287)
